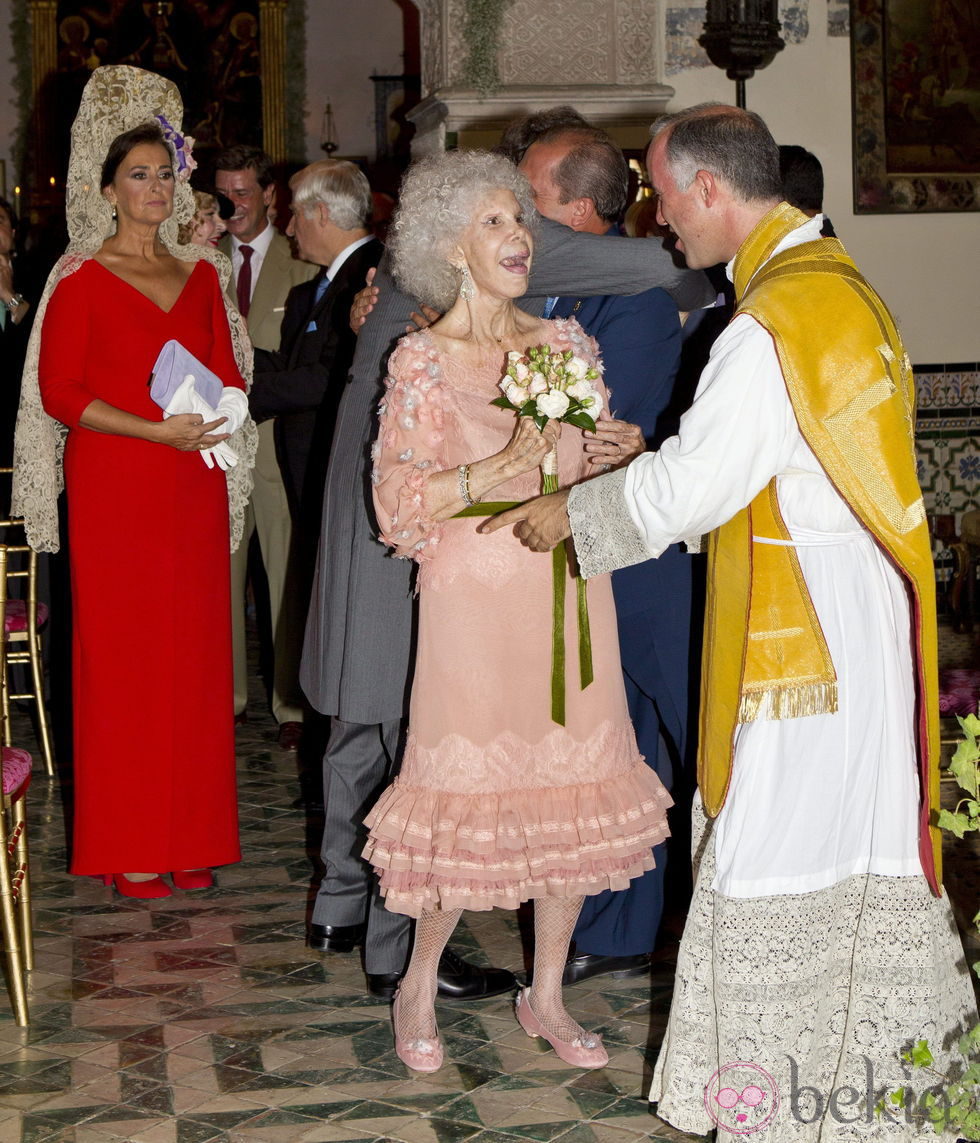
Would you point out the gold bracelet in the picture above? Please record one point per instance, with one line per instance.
(464, 486)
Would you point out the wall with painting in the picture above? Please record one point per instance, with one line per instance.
(926, 265)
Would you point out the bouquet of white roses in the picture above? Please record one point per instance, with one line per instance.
(549, 384)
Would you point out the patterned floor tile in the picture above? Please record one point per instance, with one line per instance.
(204, 1018)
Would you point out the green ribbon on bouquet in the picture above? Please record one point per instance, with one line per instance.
(558, 558)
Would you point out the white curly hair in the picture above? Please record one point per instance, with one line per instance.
(438, 198)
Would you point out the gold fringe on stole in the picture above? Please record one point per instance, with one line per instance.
(797, 701)
(787, 672)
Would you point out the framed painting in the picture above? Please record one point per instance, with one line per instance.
(915, 79)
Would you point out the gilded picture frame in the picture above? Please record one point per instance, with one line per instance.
(915, 75)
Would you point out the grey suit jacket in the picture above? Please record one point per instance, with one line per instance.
(359, 648)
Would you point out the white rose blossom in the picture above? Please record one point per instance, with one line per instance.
(538, 384)
(577, 368)
(516, 394)
(593, 404)
(521, 371)
(552, 404)
(579, 390)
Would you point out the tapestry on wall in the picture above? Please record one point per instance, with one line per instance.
(209, 50)
(916, 105)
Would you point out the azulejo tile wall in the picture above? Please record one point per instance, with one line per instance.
(947, 433)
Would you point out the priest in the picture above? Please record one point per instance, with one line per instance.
(819, 944)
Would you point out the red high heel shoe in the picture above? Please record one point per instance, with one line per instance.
(193, 878)
(583, 1052)
(144, 890)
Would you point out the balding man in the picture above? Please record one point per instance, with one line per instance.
(579, 178)
(818, 944)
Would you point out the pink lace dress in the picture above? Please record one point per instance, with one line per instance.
(496, 803)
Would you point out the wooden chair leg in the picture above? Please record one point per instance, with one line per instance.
(37, 674)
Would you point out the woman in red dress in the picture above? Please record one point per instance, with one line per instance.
(148, 523)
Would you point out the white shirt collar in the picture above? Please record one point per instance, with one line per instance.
(334, 267)
(260, 243)
(808, 232)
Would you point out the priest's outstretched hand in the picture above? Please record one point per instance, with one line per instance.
(540, 524)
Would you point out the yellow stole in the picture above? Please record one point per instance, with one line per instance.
(851, 387)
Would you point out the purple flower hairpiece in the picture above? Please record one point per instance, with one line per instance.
(182, 145)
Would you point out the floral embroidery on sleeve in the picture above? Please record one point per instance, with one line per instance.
(411, 445)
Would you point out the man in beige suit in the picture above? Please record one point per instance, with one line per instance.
(263, 272)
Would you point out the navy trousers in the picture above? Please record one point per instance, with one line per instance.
(653, 605)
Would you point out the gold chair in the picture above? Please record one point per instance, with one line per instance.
(24, 621)
(15, 886)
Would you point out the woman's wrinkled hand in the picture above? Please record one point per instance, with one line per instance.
(529, 445)
(189, 432)
(614, 443)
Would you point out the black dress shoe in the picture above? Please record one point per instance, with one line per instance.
(460, 980)
(290, 735)
(586, 965)
(457, 980)
(383, 984)
(335, 938)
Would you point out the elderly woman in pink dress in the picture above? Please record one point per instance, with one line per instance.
(495, 803)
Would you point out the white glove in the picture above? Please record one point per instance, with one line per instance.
(233, 405)
(222, 455)
(186, 399)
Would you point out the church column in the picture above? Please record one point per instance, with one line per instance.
(44, 61)
(272, 45)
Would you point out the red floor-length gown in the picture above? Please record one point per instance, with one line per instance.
(148, 547)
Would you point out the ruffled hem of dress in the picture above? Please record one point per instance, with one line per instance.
(437, 850)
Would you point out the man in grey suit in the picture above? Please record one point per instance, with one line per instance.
(358, 653)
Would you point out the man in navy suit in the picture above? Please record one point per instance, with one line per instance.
(579, 178)
(300, 385)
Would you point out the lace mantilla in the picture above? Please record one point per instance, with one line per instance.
(819, 992)
(115, 100)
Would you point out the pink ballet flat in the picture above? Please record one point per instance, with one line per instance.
(419, 1055)
(193, 878)
(584, 1052)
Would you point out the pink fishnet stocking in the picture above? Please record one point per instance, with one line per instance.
(417, 991)
(554, 920)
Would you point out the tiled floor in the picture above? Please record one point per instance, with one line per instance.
(204, 1017)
